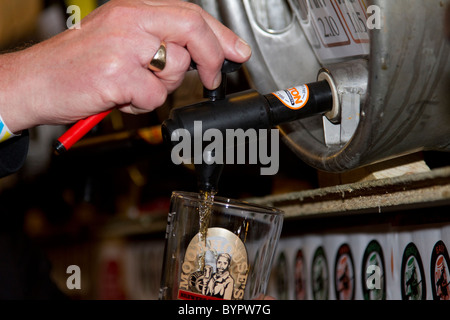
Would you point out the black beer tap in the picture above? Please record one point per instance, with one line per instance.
(244, 110)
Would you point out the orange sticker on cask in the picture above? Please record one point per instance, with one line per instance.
(294, 98)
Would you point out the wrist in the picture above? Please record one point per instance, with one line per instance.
(5, 132)
(15, 94)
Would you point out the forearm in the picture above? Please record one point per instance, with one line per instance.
(52, 82)
(19, 90)
(16, 92)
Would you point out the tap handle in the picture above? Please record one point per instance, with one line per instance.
(220, 92)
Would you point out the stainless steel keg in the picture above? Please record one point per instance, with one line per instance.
(387, 61)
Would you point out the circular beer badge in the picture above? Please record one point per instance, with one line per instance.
(214, 269)
(319, 275)
(300, 276)
(439, 272)
(412, 274)
(282, 277)
(373, 271)
(344, 274)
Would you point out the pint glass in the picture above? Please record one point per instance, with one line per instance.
(227, 255)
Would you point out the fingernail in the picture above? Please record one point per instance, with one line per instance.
(243, 48)
(217, 80)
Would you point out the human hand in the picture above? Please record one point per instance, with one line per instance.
(102, 65)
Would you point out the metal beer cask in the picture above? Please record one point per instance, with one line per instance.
(392, 91)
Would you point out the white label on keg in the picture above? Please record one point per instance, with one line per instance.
(294, 98)
(341, 27)
(353, 13)
(215, 269)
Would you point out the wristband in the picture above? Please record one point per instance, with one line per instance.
(5, 133)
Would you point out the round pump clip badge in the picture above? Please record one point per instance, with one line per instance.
(439, 272)
(215, 269)
(373, 272)
(319, 275)
(413, 283)
(300, 276)
(344, 274)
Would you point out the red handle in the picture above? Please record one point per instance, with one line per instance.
(77, 131)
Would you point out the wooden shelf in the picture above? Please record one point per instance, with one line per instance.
(407, 192)
(418, 190)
